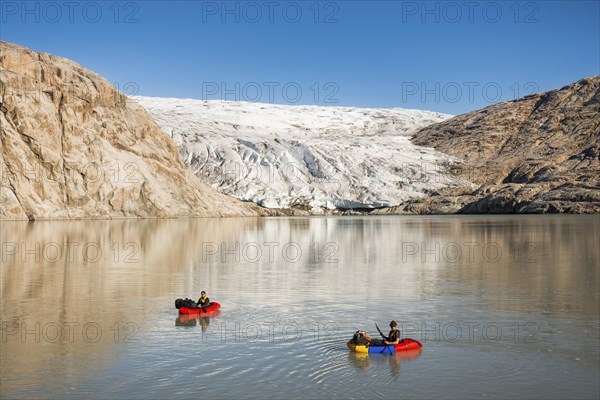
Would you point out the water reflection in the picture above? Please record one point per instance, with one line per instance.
(361, 361)
(365, 361)
(77, 297)
(194, 319)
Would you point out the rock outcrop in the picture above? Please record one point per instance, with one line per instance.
(537, 154)
(73, 146)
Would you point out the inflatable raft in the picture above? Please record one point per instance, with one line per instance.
(404, 345)
(208, 310)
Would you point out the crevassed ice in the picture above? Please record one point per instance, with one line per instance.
(314, 157)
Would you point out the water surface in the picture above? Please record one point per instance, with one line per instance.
(505, 306)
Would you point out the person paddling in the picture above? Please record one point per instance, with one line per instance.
(203, 301)
(394, 335)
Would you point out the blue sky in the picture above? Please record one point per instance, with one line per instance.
(445, 56)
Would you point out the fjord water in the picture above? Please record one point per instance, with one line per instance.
(506, 306)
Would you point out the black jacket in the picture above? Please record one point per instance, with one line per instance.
(393, 335)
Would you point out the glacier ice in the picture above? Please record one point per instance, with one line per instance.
(311, 157)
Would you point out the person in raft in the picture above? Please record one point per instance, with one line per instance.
(394, 335)
(203, 301)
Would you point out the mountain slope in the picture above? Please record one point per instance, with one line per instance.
(72, 146)
(305, 157)
(537, 154)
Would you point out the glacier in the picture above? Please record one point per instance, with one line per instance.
(313, 158)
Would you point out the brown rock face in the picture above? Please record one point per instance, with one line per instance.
(537, 154)
(73, 146)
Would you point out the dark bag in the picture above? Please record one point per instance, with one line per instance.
(187, 303)
(360, 339)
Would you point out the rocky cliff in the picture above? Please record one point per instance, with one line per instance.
(537, 154)
(73, 146)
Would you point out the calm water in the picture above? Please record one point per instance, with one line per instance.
(505, 306)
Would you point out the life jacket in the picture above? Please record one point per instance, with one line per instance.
(203, 299)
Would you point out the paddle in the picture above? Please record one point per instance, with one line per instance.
(381, 333)
(384, 339)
